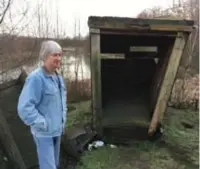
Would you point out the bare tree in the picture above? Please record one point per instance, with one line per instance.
(151, 13)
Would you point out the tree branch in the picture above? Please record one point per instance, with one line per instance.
(4, 12)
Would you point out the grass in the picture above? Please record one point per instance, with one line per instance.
(186, 140)
(178, 149)
(81, 113)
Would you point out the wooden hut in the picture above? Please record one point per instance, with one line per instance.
(134, 63)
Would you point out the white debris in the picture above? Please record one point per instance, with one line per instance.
(161, 130)
(113, 146)
(5, 158)
(95, 144)
(90, 147)
(98, 144)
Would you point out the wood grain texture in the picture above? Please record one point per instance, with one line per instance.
(168, 81)
(96, 79)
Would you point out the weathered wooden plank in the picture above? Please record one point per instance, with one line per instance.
(171, 28)
(9, 144)
(96, 79)
(143, 49)
(97, 20)
(145, 28)
(137, 23)
(168, 81)
(112, 56)
(134, 33)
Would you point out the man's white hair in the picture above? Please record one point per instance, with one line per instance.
(49, 47)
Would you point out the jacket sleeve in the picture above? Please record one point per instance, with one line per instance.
(27, 104)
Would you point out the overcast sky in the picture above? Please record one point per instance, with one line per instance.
(68, 10)
(84, 8)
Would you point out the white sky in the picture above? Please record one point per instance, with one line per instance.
(84, 8)
(68, 10)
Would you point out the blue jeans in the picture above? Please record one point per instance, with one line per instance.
(48, 151)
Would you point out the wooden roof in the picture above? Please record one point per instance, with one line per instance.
(124, 23)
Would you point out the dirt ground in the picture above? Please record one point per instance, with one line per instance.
(177, 149)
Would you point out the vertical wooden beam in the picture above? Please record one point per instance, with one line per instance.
(96, 79)
(168, 80)
(9, 144)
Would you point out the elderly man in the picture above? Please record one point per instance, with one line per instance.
(42, 105)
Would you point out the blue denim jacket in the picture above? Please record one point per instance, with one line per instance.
(40, 105)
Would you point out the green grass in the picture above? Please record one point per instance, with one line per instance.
(178, 149)
(186, 140)
(80, 115)
(150, 156)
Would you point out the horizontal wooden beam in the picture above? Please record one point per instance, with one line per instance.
(143, 48)
(112, 56)
(176, 28)
(94, 31)
(134, 33)
(163, 28)
(98, 20)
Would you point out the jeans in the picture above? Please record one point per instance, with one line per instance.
(48, 151)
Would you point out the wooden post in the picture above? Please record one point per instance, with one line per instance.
(167, 83)
(96, 79)
(9, 144)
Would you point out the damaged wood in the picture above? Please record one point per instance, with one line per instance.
(9, 144)
(167, 83)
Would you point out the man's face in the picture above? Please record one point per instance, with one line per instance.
(53, 61)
